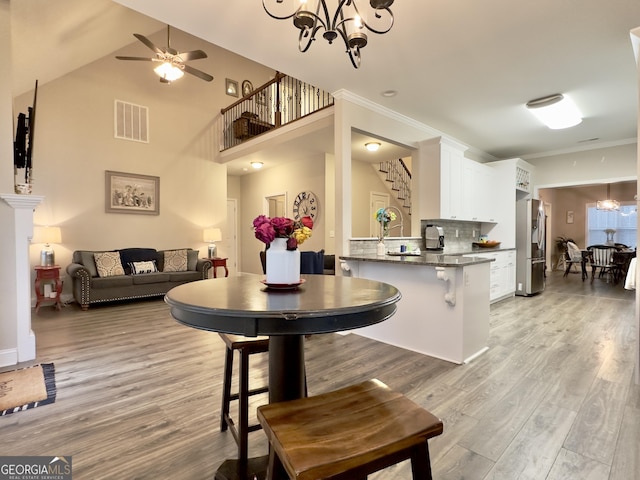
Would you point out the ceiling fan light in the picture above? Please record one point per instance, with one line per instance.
(168, 71)
(555, 111)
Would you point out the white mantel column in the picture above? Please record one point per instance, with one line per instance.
(23, 206)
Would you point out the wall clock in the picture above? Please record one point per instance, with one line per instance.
(305, 205)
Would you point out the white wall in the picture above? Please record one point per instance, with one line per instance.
(8, 306)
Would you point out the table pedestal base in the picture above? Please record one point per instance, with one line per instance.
(255, 468)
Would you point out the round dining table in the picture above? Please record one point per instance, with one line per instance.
(244, 305)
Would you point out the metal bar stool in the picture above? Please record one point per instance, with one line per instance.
(348, 434)
(246, 346)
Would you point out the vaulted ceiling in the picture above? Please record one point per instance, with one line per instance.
(463, 67)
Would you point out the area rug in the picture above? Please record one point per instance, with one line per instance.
(27, 388)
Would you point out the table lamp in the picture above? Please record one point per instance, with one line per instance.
(47, 235)
(212, 235)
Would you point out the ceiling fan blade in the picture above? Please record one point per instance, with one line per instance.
(193, 71)
(164, 80)
(143, 59)
(192, 55)
(147, 42)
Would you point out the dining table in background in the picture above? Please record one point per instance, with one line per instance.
(244, 305)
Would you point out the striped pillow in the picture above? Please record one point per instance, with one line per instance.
(143, 267)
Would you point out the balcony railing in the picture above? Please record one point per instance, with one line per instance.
(276, 103)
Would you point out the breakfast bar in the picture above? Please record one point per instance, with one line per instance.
(444, 310)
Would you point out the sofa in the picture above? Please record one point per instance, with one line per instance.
(130, 273)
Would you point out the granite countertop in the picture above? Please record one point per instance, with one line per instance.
(471, 249)
(425, 259)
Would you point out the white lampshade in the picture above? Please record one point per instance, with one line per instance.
(47, 235)
(212, 235)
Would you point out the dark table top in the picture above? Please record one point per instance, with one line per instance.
(243, 305)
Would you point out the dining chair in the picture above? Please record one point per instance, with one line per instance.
(601, 257)
(573, 256)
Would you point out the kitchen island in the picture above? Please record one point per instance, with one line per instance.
(444, 310)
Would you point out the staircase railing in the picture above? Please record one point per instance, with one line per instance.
(278, 102)
(398, 175)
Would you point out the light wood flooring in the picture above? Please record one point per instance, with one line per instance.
(553, 398)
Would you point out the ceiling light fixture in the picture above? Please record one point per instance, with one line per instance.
(372, 146)
(608, 204)
(168, 71)
(256, 165)
(347, 22)
(556, 111)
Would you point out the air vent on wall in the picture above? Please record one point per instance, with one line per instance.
(131, 122)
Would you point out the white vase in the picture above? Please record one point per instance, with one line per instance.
(283, 266)
(380, 248)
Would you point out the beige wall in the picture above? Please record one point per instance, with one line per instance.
(75, 145)
(365, 181)
(289, 179)
(575, 199)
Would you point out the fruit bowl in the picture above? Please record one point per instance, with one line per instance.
(488, 244)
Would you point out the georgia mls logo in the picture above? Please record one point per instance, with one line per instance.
(35, 468)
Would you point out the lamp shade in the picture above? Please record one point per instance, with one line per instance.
(47, 235)
(212, 235)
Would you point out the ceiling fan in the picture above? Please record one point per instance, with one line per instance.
(171, 62)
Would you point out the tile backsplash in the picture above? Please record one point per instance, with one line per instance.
(458, 236)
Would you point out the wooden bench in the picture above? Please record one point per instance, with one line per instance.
(348, 434)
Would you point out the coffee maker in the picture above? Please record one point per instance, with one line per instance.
(434, 237)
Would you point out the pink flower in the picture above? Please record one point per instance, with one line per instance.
(267, 229)
(265, 232)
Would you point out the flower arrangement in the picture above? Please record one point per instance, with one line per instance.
(296, 232)
(384, 217)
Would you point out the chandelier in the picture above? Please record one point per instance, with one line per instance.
(348, 21)
(608, 204)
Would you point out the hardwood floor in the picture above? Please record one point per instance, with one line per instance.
(553, 398)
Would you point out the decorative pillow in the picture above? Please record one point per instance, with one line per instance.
(175, 261)
(143, 267)
(192, 260)
(108, 264)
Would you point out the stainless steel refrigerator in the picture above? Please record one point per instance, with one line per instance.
(530, 247)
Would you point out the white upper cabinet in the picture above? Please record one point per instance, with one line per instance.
(452, 187)
(478, 186)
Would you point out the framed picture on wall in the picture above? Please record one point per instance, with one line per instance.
(569, 216)
(231, 87)
(131, 193)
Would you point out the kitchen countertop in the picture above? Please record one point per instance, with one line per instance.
(425, 259)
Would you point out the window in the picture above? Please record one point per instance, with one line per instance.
(623, 221)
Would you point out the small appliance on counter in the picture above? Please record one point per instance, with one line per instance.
(434, 237)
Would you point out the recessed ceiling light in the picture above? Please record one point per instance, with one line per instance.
(256, 165)
(389, 93)
(372, 146)
(555, 111)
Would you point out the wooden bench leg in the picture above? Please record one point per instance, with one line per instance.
(421, 462)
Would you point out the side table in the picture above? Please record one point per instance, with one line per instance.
(48, 274)
(219, 262)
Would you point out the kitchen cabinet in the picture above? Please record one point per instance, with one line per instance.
(502, 274)
(453, 187)
(478, 192)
